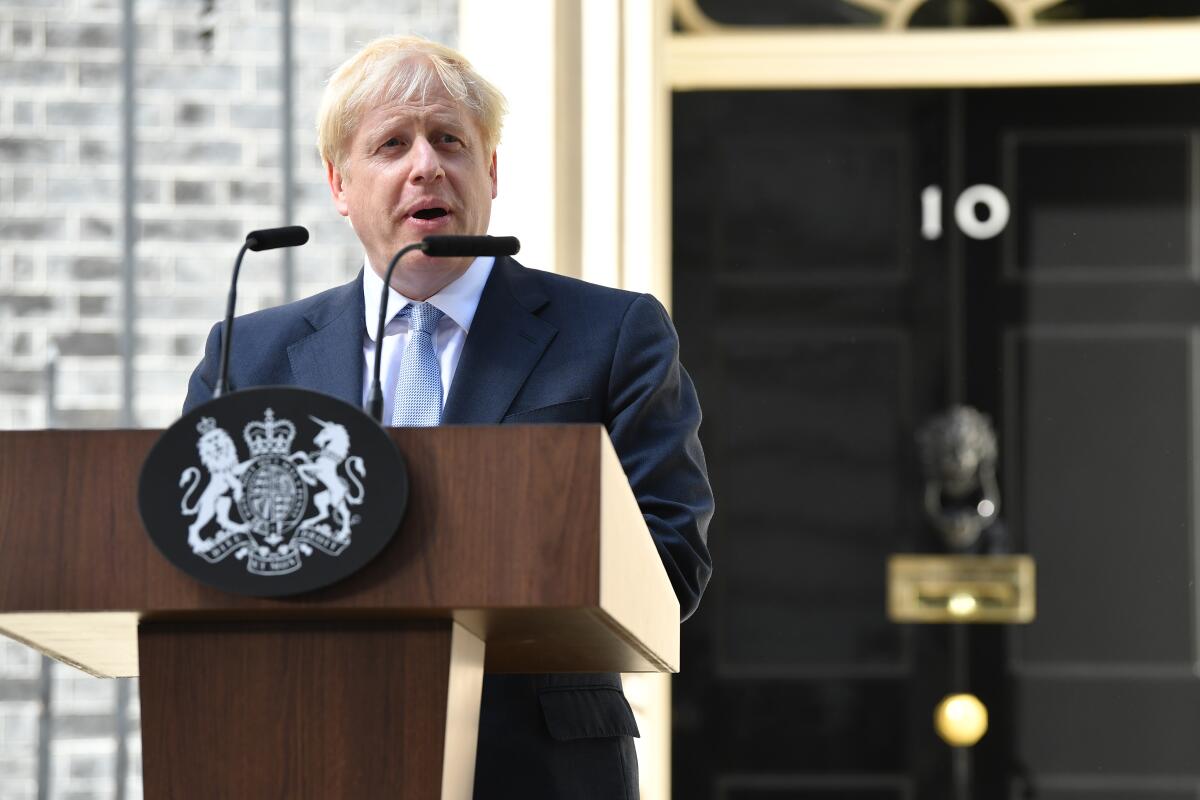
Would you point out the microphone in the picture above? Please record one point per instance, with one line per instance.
(471, 246)
(265, 239)
(270, 238)
(436, 246)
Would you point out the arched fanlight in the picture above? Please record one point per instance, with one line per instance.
(894, 14)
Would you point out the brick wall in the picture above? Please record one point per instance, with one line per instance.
(209, 149)
(208, 95)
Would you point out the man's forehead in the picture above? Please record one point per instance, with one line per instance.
(440, 110)
(419, 105)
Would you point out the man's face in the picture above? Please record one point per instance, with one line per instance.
(415, 169)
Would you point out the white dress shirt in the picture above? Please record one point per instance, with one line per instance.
(458, 302)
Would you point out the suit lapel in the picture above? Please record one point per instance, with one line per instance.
(505, 343)
(330, 359)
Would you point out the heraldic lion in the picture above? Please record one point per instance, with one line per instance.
(218, 453)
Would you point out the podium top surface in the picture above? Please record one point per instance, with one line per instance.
(527, 535)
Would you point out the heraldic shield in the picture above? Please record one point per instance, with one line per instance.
(272, 492)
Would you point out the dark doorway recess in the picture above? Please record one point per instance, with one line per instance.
(822, 328)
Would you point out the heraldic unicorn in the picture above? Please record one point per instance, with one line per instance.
(260, 507)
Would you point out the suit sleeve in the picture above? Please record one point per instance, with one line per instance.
(204, 377)
(654, 420)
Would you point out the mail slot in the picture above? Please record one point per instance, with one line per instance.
(948, 589)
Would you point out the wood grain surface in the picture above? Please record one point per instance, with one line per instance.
(305, 711)
(489, 508)
(503, 533)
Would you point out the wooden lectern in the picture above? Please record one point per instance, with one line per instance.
(523, 550)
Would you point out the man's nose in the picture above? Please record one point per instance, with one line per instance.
(427, 166)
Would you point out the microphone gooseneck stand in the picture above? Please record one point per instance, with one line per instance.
(265, 239)
(438, 247)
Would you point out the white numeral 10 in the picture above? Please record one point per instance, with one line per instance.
(964, 211)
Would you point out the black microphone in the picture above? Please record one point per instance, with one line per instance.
(471, 246)
(436, 246)
(270, 238)
(266, 239)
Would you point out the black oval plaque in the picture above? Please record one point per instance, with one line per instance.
(273, 491)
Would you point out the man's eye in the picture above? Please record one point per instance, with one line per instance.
(450, 138)
(392, 142)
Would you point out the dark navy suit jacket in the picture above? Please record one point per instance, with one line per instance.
(542, 348)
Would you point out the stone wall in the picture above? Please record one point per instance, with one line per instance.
(208, 170)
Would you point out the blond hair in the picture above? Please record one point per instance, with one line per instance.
(399, 69)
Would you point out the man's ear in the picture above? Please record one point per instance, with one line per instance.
(337, 188)
(492, 174)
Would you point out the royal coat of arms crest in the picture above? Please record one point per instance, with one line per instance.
(261, 509)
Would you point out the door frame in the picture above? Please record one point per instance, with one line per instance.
(1062, 54)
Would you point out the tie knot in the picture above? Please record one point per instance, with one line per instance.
(424, 316)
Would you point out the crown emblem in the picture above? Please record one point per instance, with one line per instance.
(206, 424)
(269, 437)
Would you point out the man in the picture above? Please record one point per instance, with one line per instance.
(408, 134)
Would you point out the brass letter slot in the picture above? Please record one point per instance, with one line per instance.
(926, 588)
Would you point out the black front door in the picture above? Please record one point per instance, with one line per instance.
(828, 304)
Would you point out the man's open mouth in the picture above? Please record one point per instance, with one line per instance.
(430, 213)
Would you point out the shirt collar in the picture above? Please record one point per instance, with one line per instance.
(459, 300)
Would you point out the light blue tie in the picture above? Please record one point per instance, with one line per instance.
(418, 399)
